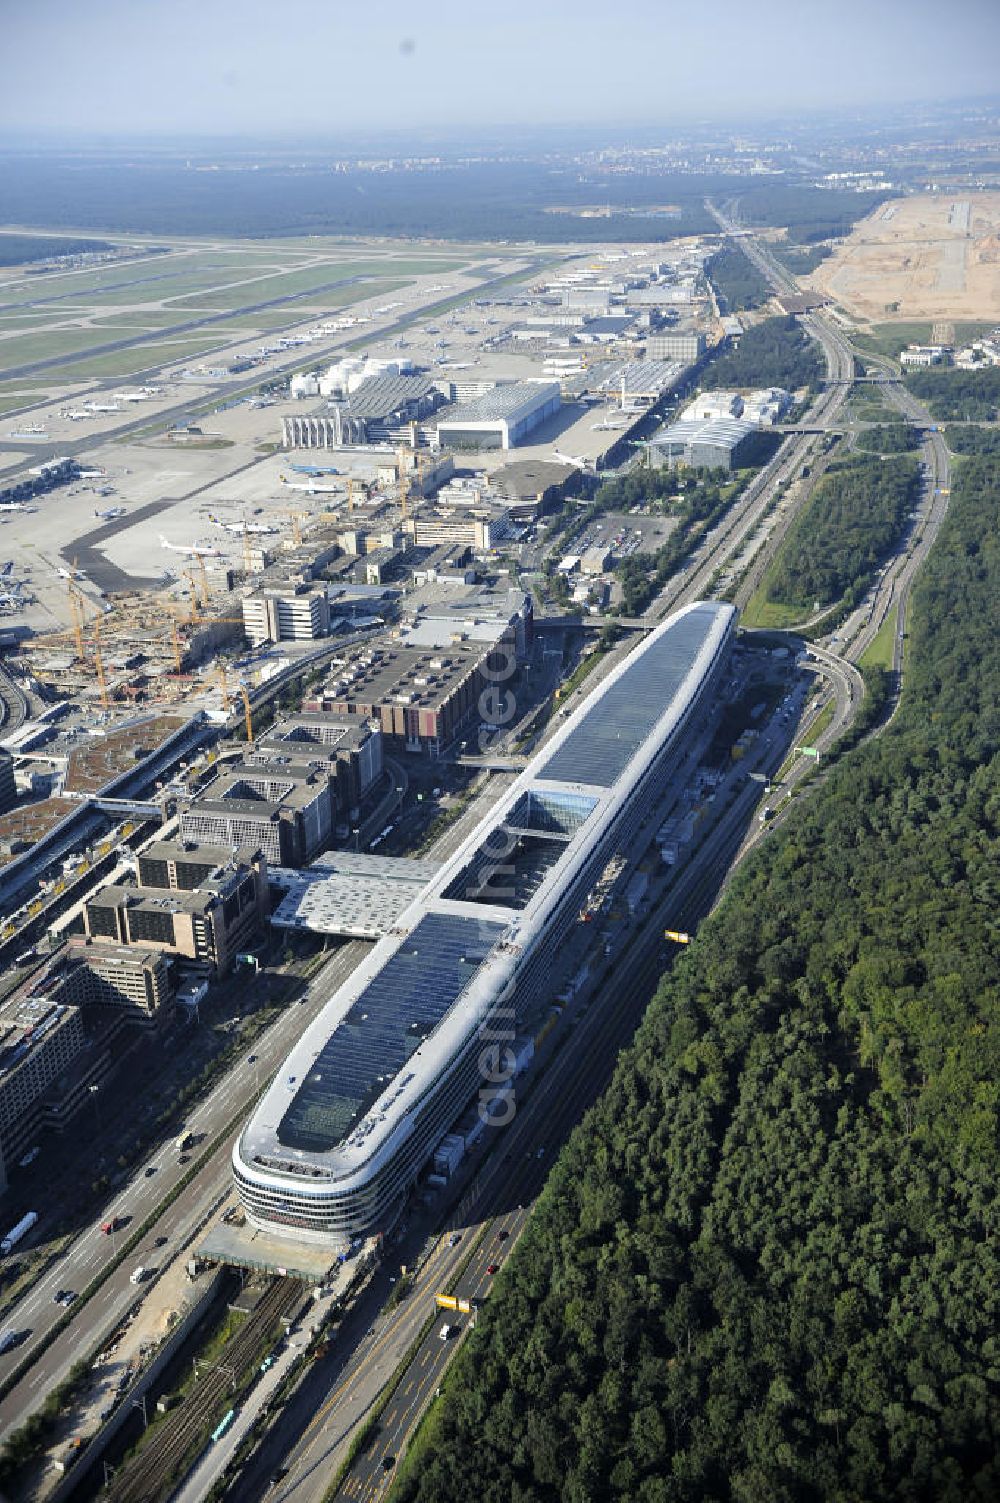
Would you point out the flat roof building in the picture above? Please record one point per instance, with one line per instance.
(210, 923)
(501, 419)
(296, 614)
(39, 1039)
(392, 1061)
(285, 809)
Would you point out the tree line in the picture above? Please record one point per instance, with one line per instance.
(855, 514)
(737, 282)
(776, 352)
(765, 1265)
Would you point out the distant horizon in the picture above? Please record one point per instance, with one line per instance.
(238, 68)
(317, 137)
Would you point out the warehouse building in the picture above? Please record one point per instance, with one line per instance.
(718, 444)
(501, 419)
(676, 346)
(370, 414)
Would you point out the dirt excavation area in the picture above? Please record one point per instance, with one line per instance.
(933, 256)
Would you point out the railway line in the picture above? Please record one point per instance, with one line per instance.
(152, 1471)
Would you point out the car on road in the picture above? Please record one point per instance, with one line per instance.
(502, 1233)
(454, 1239)
(160, 1242)
(251, 1059)
(491, 1268)
(150, 1170)
(388, 1462)
(445, 1332)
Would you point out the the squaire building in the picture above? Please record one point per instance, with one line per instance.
(394, 1056)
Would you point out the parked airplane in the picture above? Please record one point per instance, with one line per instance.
(15, 506)
(193, 550)
(311, 487)
(110, 514)
(314, 469)
(576, 460)
(261, 529)
(93, 407)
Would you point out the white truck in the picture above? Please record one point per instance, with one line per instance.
(137, 1275)
(15, 1234)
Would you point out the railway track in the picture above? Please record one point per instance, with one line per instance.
(155, 1468)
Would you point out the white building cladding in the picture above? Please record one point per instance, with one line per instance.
(392, 1059)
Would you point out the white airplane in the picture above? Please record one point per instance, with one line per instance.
(15, 506)
(261, 529)
(576, 460)
(77, 416)
(93, 407)
(192, 550)
(311, 487)
(110, 514)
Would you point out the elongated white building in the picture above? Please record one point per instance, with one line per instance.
(398, 1050)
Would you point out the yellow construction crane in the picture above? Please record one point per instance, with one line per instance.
(177, 645)
(350, 494)
(244, 696)
(198, 601)
(404, 481)
(247, 713)
(76, 598)
(296, 516)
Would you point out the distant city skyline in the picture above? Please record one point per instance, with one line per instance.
(249, 68)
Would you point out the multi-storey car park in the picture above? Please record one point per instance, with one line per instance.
(397, 1052)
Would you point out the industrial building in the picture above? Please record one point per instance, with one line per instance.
(392, 1061)
(295, 614)
(210, 923)
(675, 346)
(718, 444)
(353, 896)
(501, 418)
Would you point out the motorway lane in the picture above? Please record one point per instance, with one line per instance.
(92, 1249)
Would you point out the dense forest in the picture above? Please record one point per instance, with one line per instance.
(888, 438)
(972, 396)
(972, 439)
(776, 352)
(737, 282)
(811, 214)
(800, 260)
(834, 548)
(765, 1266)
(15, 249)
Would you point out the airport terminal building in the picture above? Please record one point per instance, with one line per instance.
(393, 1058)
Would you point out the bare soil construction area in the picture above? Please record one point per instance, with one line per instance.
(934, 256)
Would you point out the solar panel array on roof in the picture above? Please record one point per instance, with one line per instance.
(398, 1008)
(599, 749)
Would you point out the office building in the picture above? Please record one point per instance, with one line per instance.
(284, 809)
(210, 923)
(393, 1059)
(295, 614)
(39, 1040)
(348, 750)
(132, 979)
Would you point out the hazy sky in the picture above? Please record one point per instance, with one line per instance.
(322, 66)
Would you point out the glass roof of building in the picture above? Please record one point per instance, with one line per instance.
(398, 1008)
(617, 723)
